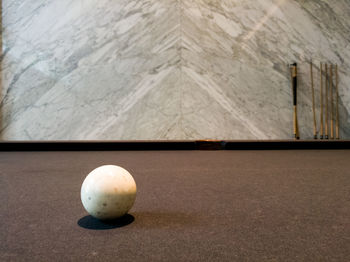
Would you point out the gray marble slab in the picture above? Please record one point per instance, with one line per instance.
(170, 69)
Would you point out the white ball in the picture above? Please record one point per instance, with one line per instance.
(108, 192)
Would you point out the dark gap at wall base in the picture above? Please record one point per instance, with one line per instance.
(172, 145)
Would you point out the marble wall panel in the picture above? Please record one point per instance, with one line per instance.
(170, 69)
(238, 52)
(82, 69)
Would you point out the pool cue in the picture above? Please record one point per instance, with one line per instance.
(321, 101)
(294, 73)
(336, 104)
(331, 90)
(326, 118)
(313, 100)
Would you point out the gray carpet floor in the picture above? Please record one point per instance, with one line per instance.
(190, 206)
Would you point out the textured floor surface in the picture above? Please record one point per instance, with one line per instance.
(191, 206)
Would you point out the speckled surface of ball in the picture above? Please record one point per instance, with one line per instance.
(108, 192)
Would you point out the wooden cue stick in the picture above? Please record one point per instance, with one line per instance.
(294, 123)
(321, 101)
(291, 79)
(331, 90)
(313, 101)
(296, 104)
(294, 73)
(326, 87)
(298, 136)
(337, 104)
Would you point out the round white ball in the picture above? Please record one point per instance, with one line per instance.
(108, 192)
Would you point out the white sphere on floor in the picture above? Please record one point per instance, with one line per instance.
(108, 192)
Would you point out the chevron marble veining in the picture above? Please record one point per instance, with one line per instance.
(170, 69)
(237, 52)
